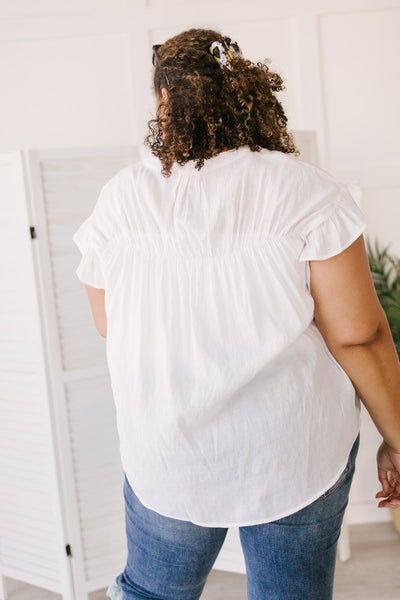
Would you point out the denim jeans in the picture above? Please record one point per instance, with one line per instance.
(292, 558)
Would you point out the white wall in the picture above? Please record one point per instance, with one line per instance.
(78, 73)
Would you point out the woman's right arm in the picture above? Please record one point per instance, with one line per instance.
(354, 326)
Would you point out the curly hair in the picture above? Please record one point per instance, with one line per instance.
(212, 108)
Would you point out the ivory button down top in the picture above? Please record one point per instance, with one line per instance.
(230, 408)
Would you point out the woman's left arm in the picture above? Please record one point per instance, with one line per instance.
(96, 298)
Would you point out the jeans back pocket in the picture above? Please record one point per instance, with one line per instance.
(350, 463)
(342, 477)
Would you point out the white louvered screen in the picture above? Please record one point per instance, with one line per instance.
(60, 472)
(98, 477)
(30, 540)
(71, 181)
(30, 528)
(19, 342)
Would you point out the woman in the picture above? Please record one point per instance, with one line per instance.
(243, 329)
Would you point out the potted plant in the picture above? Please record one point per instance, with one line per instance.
(385, 270)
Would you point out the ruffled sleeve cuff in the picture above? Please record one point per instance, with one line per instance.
(89, 270)
(344, 225)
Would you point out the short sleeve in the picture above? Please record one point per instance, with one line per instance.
(89, 270)
(91, 238)
(337, 223)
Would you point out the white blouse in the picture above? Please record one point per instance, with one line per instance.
(230, 409)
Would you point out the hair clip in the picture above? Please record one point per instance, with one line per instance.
(225, 54)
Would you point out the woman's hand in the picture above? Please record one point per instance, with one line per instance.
(388, 460)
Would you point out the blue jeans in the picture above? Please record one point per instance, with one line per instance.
(292, 558)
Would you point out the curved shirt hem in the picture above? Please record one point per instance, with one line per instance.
(269, 519)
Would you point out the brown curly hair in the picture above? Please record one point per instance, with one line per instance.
(211, 108)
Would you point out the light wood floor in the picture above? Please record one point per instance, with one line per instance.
(372, 573)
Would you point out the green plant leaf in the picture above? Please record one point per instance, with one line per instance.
(385, 272)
